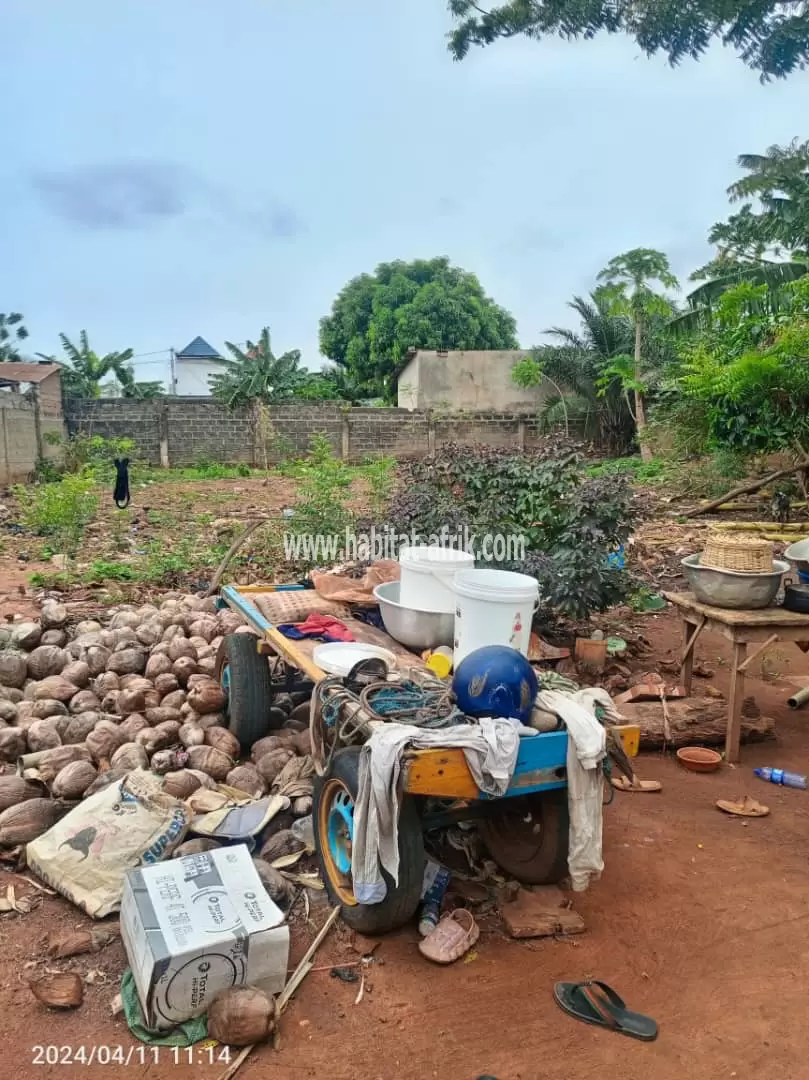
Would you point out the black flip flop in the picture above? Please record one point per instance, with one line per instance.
(596, 1003)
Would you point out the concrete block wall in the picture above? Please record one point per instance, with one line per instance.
(182, 431)
(18, 437)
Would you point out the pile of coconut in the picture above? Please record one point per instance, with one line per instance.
(84, 705)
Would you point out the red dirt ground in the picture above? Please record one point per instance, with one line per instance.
(700, 921)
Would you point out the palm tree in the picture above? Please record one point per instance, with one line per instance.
(12, 332)
(85, 369)
(256, 374)
(578, 365)
(629, 277)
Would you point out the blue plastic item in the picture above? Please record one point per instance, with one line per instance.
(781, 776)
(495, 681)
(804, 578)
(617, 560)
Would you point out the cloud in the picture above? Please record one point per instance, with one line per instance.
(117, 195)
(142, 194)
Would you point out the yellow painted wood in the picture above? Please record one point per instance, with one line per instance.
(274, 641)
(629, 734)
(441, 773)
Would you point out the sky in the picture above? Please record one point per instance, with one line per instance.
(202, 167)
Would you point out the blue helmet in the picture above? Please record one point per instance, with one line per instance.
(495, 681)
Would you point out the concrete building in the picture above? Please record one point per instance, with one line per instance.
(192, 366)
(466, 381)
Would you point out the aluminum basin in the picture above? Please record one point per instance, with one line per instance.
(730, 589)
(416, 629)
(798, 553)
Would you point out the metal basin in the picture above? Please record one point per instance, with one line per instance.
(729, 589)
(798, 553)
(416, 629)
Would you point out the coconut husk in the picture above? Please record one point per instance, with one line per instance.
(59, 991)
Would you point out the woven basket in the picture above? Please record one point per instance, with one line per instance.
(737, 552)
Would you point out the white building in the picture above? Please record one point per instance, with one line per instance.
(192, 367)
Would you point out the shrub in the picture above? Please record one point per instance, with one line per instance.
(60, 509)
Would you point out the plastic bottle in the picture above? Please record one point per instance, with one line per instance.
(779, 776)
(303, 829)
(436, 880)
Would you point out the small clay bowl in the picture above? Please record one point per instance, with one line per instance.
(699, 758)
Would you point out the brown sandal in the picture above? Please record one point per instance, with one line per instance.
(746, 807)
(621, 783)
(455, 934)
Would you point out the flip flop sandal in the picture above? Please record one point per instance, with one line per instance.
(455, 934)
(596, 1003)
(621, 783)
(746, 807)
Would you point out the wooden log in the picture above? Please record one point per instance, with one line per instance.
(697, 721)
(746, 489)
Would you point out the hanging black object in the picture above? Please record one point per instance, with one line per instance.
(121, 493)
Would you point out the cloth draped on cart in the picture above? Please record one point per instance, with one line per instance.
(490, 748)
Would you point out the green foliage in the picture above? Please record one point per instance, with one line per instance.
(750, 370)
(628, 278)
(12, 332)
(323, 488)
(256, 374)
(84, 370)
(571, 523)
(332, 383)
(769, 36)
(61, 509)
(425, 304)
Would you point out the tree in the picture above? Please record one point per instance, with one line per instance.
(84, 371)
(628, 278)
(256, 374)
(12, 332)
(425, 304)
(331, 383)
(770, 36)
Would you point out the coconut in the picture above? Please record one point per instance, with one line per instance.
(78, 672)
(207, 697)
(160, 737)
(59, 990)
(54, 687)
(52, 761)
(267, 745)
(41, 710)
(12, 744)
(223, 740)
(181, 646)
(271, 764)
(211, 761)
(88, 626)
(130, 701)
(183, 668)
(207, 665)
(191, 735)
(26, 635)
(8, 711)
(161, 713)
(13, 668)
(27, 820)
(53, 615)
(104, 779)
(25, 713)
(173, 700)
(283, 842)
(157, 664)
(164, 761)
(72, 781)
(127, 661)
(241, 1016)
(180, 783)
(125, 616)
(248, 779)
(205, 627)
(146, 612)
(84, 701)
(42, 735)
(198, 679)
(133, 724)
(197, 846)
(149, 633)
(106, 683)
(104, 740)
(197, 644)
(14, 789)
(302, 742)
(173, 631)
(109, 703)
(229, 622)
(79, 727)
(54, 637)
(96, 657)
(129, 755)
(205, 781)
(302, 805)
(280, 891)
(204, 604)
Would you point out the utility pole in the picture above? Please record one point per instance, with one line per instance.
(173, 373)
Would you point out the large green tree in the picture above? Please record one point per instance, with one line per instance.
(770, 36)
(83, 370)
(12, 332)
(425, 304)
(630, 278)
(255, 373)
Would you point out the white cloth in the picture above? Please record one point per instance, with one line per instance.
(490, 748)
(586, 749)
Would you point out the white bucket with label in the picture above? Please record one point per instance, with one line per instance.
(427, 574)
(493, 607)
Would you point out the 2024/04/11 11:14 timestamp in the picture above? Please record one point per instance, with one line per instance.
(201, 1054)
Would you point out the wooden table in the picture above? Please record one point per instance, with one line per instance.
(742, 628)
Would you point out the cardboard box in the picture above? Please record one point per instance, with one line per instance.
(195, 926)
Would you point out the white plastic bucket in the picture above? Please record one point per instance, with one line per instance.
(493, 607)
(427, 574)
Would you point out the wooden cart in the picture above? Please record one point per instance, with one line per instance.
(526, 831)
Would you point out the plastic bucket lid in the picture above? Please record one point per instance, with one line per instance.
(497, 586)
(435, 560)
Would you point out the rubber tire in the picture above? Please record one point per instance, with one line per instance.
(401, 902)
(549, 865)
(250, 691)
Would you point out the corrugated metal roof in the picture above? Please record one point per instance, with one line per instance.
(198, 349)
(30, 373)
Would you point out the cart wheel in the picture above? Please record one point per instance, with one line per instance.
(245, 676)
(333, 817)
(528, 836)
